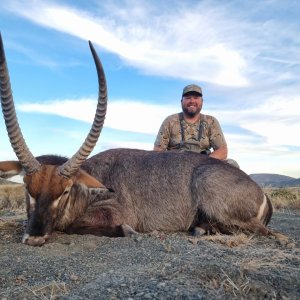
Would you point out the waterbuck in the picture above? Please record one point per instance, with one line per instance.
(123, 191)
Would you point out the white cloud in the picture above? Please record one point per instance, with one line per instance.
(121, 115)
(163, 46)
(217, 42)
(270, 121)
(105, 145)
(270, 124)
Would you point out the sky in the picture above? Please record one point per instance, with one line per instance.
(244, 54)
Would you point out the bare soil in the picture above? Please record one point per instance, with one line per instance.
(151, 266)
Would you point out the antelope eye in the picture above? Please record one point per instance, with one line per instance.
(66, 192)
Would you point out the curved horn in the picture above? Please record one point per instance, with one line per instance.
(72, 165)
(28, 161)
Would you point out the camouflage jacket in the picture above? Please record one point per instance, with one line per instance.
(200, 136)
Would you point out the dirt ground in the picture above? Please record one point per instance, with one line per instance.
(151, 266)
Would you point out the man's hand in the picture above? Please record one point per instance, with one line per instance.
(220, 153)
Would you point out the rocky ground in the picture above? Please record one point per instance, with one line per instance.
(151, 266)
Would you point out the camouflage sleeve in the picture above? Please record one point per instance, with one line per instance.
(217, 138)
(163, 137)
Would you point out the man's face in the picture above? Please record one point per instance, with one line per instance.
(191, 104)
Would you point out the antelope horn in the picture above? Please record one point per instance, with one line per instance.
(27, 160)
(72, 165)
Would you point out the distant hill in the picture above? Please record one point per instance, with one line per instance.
(275, 180)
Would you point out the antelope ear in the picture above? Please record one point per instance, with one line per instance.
(101, 194)
(86, 179)
(10, 168)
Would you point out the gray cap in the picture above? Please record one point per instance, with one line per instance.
(192, 88)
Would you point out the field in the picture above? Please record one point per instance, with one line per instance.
(284, 198)
(151, 266)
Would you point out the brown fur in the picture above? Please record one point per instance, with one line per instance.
(152, 191)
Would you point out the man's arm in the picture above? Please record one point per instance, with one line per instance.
(218, 141)
(163, 136)
(220, 153)
(158, 148)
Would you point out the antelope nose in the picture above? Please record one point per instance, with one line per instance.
(33, 240)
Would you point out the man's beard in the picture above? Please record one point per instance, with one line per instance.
(191, 113)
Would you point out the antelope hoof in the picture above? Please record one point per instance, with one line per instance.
(128, 231)
(199, 231)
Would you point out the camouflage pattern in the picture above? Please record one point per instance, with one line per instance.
(169, 136)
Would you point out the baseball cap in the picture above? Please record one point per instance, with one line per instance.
(192, 88)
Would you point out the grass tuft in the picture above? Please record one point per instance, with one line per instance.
(50, 291)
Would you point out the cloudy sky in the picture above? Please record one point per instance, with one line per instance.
(244, 54)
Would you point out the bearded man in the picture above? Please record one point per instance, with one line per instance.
(191, 130)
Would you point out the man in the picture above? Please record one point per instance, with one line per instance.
(192, 131)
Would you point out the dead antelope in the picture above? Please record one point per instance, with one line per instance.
(123, 191)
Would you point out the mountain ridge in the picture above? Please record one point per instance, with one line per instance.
(275, 180)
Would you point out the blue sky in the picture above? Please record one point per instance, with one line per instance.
(244, 54)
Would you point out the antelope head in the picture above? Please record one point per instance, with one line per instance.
(56, 191)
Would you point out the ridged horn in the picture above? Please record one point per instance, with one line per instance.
(28, 161)
(72, 165)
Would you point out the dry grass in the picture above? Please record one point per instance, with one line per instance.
(9, 226)
(12, 196)
(240, 288)
(276, 260)
(230, 241)
(284, 198)
(50, 291)
(10, 229)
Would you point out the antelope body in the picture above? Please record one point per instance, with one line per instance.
(123, 191)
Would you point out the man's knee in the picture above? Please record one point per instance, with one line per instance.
(232, 162)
